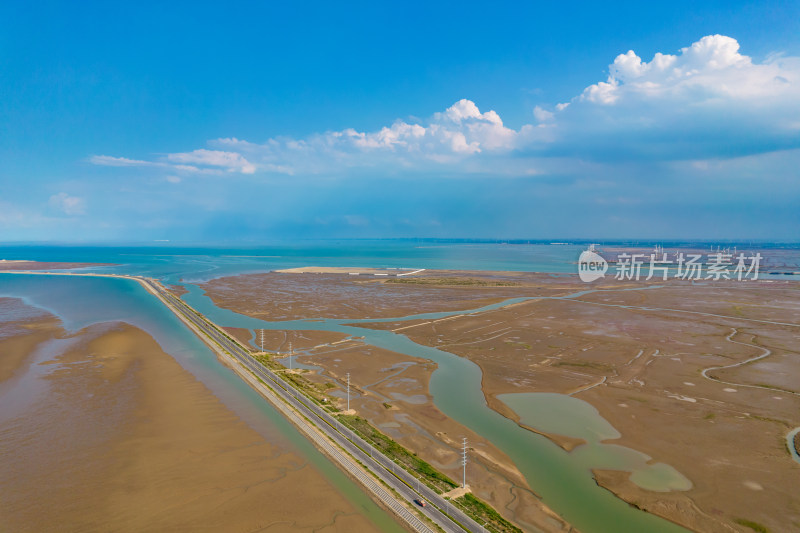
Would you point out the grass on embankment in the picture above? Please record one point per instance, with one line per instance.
(315, 391)
(468, 503)
(407, 460)
(484, 514)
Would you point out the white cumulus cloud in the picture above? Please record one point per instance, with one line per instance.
(710, 69)
(707, 100)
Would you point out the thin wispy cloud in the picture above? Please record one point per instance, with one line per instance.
(67, 204)
(210, 159)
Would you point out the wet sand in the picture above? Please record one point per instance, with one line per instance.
(122, 438)
(22, 328)
(641, 368)
(37, 265)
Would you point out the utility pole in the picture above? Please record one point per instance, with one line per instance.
(348, 391)
(262, 341)
(464, 463)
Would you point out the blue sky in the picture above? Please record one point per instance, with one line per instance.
(260, 121)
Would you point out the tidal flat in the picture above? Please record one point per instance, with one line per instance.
(103, 430)
(675, 368)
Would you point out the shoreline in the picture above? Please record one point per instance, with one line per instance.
(406, 515)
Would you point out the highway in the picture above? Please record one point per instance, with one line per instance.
(439, 510)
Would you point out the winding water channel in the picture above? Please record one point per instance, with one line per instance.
(564, 483)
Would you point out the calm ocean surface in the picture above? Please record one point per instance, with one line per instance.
(201, 263)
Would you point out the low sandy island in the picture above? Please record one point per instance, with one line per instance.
(701, 377)
(18, 264)
(109, 433)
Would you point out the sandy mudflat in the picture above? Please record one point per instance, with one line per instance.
(727, 439)
(124, 439)
(22, 328)
(350, 271)
(641, 368)
(37, 265)
(286, 296)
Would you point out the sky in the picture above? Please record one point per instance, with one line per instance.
(257, 121)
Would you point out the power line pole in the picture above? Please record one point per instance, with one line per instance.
(464, 463)
(348, 391)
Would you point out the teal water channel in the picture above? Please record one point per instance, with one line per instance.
(790, 444)
(84, 301)
(562, 479)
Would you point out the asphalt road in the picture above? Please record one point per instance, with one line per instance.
(444, 514)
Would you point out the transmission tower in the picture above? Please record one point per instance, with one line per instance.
(464, 463)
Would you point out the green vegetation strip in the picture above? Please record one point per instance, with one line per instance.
(439, 482)
(755, 526)
(484, 514)
(409, 461)
(315, 391)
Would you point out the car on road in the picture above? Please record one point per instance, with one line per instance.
(420, 502)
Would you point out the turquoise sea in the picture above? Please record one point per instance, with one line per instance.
(195, 263)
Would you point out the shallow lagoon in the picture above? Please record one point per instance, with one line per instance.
(561, 414)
